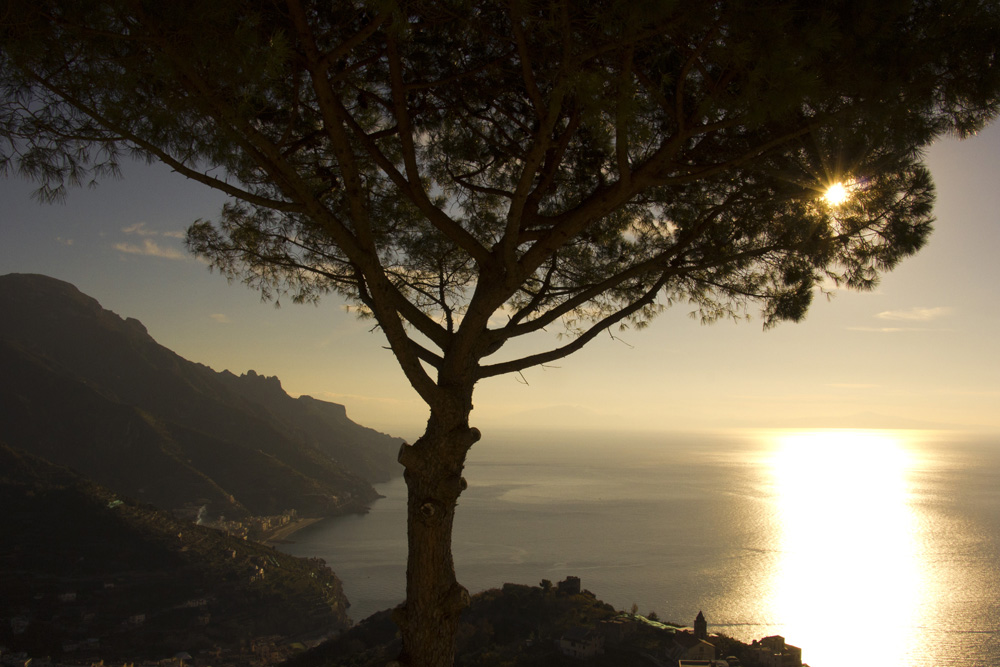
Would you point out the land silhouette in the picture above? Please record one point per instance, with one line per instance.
(113, 449)
(86, 388)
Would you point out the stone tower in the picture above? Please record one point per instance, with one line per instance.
(700, 626)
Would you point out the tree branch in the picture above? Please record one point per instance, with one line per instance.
(517, 365)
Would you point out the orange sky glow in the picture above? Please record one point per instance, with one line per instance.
(918, 352)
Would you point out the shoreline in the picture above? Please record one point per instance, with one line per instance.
(282, 535)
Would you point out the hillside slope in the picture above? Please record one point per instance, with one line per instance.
(78, 561)
(84, 388)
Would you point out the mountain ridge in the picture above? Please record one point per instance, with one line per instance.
(87, 388)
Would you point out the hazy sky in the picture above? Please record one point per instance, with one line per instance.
(920, 351)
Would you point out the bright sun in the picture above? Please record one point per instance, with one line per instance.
(836, 194)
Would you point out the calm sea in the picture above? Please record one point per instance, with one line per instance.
(861, 547)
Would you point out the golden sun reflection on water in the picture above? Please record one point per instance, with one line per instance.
(848, 544)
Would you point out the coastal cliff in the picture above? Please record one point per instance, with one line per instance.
(84, 388)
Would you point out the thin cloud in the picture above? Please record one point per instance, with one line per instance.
(139, 229)
(220, 318)
(879, 329)
(150, 248)
(63, 241)
(914, 314)
(362, 398)
(893, 329)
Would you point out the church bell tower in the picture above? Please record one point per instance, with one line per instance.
(700, 626)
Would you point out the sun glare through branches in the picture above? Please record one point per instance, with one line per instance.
(837, 194)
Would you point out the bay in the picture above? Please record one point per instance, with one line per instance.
(861, 547)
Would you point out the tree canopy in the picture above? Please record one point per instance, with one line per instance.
(468, 173)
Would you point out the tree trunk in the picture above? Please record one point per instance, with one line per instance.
(428, 619)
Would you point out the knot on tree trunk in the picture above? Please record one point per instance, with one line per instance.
(455, 443)
(463, 437)
(444, 495)
(429, 509)
(407, 456)
(451, 487)
(457, 598)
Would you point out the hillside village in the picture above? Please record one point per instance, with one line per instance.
(666, 645)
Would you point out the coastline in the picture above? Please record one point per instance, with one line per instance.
(282, 535)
